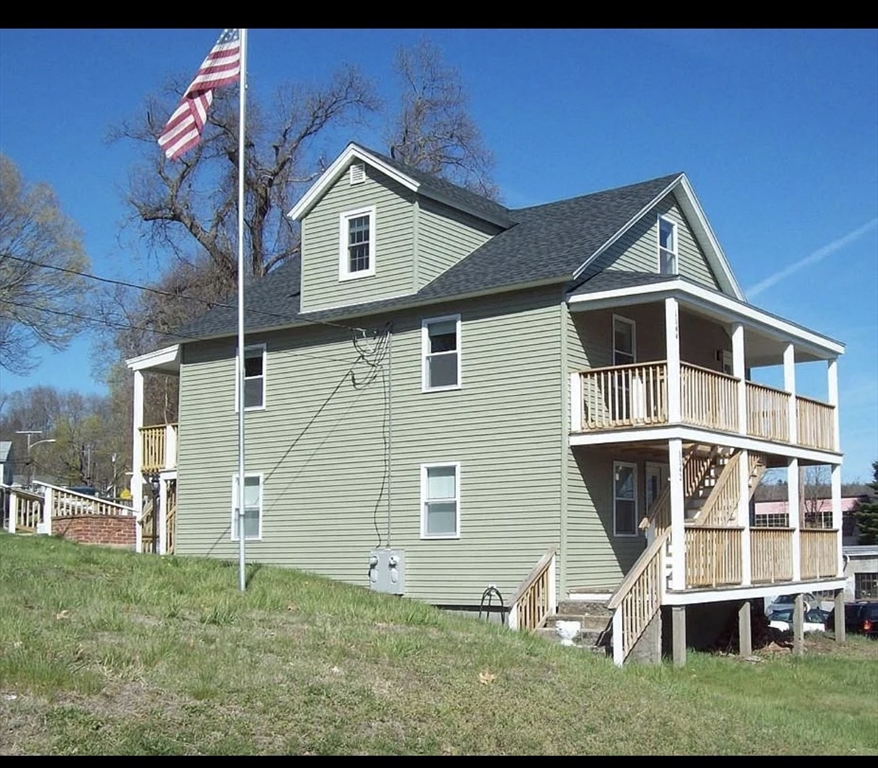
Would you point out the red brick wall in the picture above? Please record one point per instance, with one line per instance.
(97, 529)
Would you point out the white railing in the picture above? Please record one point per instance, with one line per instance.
(624, 396)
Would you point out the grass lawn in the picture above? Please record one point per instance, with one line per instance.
(105, 652)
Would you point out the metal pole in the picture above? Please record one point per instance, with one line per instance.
(242, 90)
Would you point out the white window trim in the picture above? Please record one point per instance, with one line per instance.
(633, 325)
(616, 465)
(424, 468)
(425, 352)
(234, 527)
(675, 250)
(344, 272)
(264, 378)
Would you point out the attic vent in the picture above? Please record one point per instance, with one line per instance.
(358, 173)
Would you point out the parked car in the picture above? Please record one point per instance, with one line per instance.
(788, 601)
(814, 620)
(859, 618)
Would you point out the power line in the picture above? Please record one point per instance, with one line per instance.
(131, 327)
(171, 294)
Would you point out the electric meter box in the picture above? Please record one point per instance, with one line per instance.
(387, 571)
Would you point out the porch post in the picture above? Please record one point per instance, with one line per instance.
(137, 461)
(744, 516)
(837, 516)
(13, 511)
(672, 346)
(740, 373)
(789, 384)
(678, 514)
(745, 631)
(839, 626)
(678, 632)
(832, 392)
(794, 514)
(161, 517)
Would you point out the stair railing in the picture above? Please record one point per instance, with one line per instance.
(535, 599)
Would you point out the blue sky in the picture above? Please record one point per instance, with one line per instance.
(777, 131)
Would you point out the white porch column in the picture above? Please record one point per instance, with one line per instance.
(740, 373)
(678, 514)
(789, 384)
(672, 345)
(162, 518)
(48, 506)
(13, 511)
(744, 515)
(576, 402)
(837, 514)
(137, 461)
(832, 393)
(794, 515)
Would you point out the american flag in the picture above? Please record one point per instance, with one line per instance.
(221, 67)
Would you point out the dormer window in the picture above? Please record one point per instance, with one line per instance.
(667, 231)
(357, 246)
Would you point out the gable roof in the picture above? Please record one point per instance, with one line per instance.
(539, 245)
(425, 184)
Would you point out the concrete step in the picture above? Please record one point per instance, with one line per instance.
(587, 623)
(584, 640)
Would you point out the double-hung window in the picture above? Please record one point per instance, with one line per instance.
(252, 507)
(254, 378)
(440, 501)
(624, 499)
(667, 246)
(357, 244)
(440, 349)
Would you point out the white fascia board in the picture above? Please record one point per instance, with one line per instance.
(695, 295)
(706, 237)
(695, 216)
(155, 359)
(694, 597)
(332, 174)
(697, 435)
(631, 222)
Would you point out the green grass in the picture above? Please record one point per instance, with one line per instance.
(106, 652)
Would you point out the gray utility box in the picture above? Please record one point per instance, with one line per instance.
(387, 571)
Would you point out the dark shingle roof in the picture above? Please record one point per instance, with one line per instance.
(546, 243)
(448, 191)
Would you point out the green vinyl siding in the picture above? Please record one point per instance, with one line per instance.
(444, 237)
(595, 558)
(394, 243)
(637, 249)
(323, 447)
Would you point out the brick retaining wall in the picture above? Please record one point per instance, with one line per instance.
(113, 531)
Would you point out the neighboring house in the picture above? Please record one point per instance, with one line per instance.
(7, 462)
(442, 393)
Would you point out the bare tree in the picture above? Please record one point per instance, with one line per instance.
(434, 130)
(41, 254)
(194, 200)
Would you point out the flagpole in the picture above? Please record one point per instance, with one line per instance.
(242, 92)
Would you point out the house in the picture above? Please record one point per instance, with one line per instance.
(444, 396)
(7, 462)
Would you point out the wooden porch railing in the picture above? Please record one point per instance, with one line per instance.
(26, 510)
(819, 553)
(815, 423)
(721, 507)
(771, 555)
(67, 503)
(159, 447)
(713, 556)
(535, 599)
(638, 598)
(708, 398)
(767, 412)
(625, 395)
